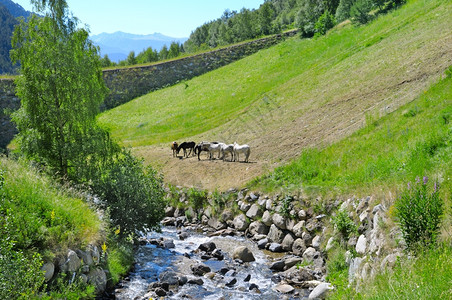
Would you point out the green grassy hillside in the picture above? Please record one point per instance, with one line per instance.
(298, 94)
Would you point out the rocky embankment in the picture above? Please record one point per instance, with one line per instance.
(296, 238)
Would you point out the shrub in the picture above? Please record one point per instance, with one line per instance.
(344, 224)
(197, 198)
(324, 23)
(419, 211)
(132, 194)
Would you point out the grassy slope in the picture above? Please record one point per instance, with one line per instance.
(297, 94)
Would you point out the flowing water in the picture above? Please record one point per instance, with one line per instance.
(151, 261)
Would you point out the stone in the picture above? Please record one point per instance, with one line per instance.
(227, 215)
(169, 211)
(313, 225)
(254, 196)
(287, 242)
(310, 254)
(262, 243)
(160, 292)
(257, 227)
(86, 257)
(298, 247)
(267, 218)
(361, 245)
(316, 242)
(199, 269)
(94, 252)
(298, 229)
(48, 269)
(279, 221)
(207, 247)
(363, 216)
(71, 263)
(231, 282)
(290, 223)
(216, 224)
(245, 206)
(98, 278)
(302, 214)
(277, 266)
(197, 281)
(247, 278)
(292, 261)
(389, 261)
(353, 268)
(284, 288)
(329, 244)
(320, 291)
(275, 247)
(241, 223)
(253, 286)
(244, 254)
(169, 277)
(183, 235)
(254, 212)
(275, 234)
(168, 244)
(269, 204)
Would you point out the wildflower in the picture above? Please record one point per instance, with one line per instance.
(52, 215)
(435, 187)
(104, 247)
(425, 179)
(409, 185)
(117, 231)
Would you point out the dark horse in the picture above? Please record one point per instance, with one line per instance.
(185, 146)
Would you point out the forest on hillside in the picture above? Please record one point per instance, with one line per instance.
(7, 23)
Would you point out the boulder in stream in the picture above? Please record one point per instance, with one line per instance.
(243, 253)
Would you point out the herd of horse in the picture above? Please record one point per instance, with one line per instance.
(213, 148)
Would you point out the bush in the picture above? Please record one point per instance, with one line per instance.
(344, 224)
(197, 198)
(131, 194)
(324, 23)
(419, 211)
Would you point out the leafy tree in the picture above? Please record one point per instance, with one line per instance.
(148, 55)
(324, 23)
(310, 12)
(131, 59)
(360, 11)
(343, 10)
(61, 87)
(105, 61)
(163, 54)
(174, 50)
(266, 18)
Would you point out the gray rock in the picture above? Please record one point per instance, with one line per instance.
(389, 261)
(275, 247)
(243, 253)
(277, 266)
(267, 218)
(298, 229)
(298, 247)
(302, 214)
(49, 270)
(279, 221)
(257, 228)
(241, 223)
(168, 244)
(320, 291)
(313, 225)
(269, 204)
(310, 254)
(329, 244)
(275, 234)
(71, 263)
(361, 245)
(284, 288)
(169, 211)
(245, 206)
(98, 278)
(353, 268)
(197, 281)
(254, 196)
(287, 242)
(290, 223)
(262, 243)
(363, 216)
(254, 212)
(316, 242)
(170, 277)
(227, 215)
(216, 224)
(292, 261)
(199, 269)
(85, 257)
(94, 252)
(207, 247)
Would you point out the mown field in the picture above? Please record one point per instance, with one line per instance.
(300, 94)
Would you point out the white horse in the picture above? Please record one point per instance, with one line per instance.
(215, 148)
(227, 149)
(241, 149)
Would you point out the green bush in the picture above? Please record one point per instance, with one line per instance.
(131, 194)
(344, 224)
(419, 211)
(197, 198)
(324, 23)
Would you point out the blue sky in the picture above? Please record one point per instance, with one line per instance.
(174, 18)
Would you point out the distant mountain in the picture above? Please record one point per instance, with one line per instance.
(119, 44)
(15, 9)
(7, 23)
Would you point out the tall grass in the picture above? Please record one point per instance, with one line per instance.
(391, 150)
(42, 216)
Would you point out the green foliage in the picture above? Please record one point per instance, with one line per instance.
(64, 288)
(120, 258)
(344, 225)
(310, 12)
(360, 11)
(286, 206)
(419, 211)
(131, 59)
(343, 10)
(60, 87)
(197, 198)
(324, 23)
(132, 194)
(426, 276)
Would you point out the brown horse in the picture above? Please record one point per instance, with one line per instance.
(174, 146)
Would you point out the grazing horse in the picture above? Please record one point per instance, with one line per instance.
(174, 146)
(241, 149)
(185, 146)
(214, 148)
(227, 149)
(203, 146)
